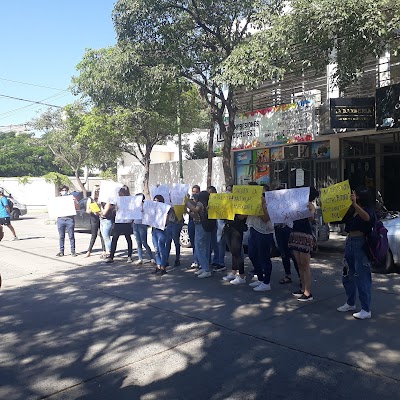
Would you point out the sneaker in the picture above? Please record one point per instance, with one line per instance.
(346, 307)
(194, 265)
(138, 262)
(303, 297)
(73, 254)
(255, 284)
(129, 259)
(60, 254)
(204, 274)
(15, 238)
(109, 261)
(238, 280)
(153, 261)
(362, 314)
(299, 293)
(229, 277)
(218, 268)
(198, 272)
(177, 263)
(262, 287)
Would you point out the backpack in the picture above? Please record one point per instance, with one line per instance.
(208, 224)
(377, 242)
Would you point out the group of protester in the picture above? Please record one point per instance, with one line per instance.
(210, 237)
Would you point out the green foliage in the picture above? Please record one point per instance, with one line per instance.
(24, 180)
(199, 151)
(24, 155)
(57, 179)
(109, 174)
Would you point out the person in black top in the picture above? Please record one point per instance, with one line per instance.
(356, 265)
(94, 222)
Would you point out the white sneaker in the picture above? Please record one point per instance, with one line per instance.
(262, 287)
(138, 262)
(229, 277)
(238, 280)
(198, 272)
(153, 261)
(362, 314)
(204, 274)
(346, 307)
(194, 265)
(255, 284)
(15, 238)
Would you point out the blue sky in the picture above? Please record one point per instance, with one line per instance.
(41, 42)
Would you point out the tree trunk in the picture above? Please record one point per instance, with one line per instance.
(146, 165)
(211, 138)
(81, 185)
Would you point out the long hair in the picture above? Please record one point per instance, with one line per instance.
(364, 196)
(159, 198)
(203, 197)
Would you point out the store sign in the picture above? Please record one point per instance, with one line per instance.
(352, 113)
(287, 123)
(388, 107)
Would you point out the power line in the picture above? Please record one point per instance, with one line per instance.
(29, 101)
(30, 84)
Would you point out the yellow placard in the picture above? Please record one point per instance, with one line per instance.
(179, 211)
(220, 206)
(247, 200)
(94, 207)
(335, 201)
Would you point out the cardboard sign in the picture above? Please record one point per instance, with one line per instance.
(247, 200)
(179, 211)
(155, 214)
(220, 206)
(335, 201)
(162, 190)
(128, 208)
(178, 193)
(63, 206)
(94, 207)
(288, 205)
(109, 191)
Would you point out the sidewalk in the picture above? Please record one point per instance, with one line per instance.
(76, 328)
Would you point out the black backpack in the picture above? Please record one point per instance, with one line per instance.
(208, 224)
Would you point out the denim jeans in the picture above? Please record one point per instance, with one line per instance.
(214, 245)
(105, 229)
(140, 232)
(202, 245)
(172, 232)
(358, 276)
(66, 225)
(282, 235)
(259, 254)
(192, 234)
(158, 237)
(234, 241)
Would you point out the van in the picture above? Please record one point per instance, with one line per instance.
(17, 208)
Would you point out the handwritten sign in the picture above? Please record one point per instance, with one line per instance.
(162, 190)
(128, 208)
(178, 193)
(288, 205)
(94, 207)
(335, 201)
(63, 206)
(155, 214)
(109, 191)
(247, 200)
(220, 206)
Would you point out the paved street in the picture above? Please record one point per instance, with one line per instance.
(76, 328)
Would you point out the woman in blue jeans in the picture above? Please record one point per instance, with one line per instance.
(140, 232)
(159, 239)
(357, 267)
(107, 217)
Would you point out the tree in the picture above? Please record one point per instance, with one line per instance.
(141, 100)
(194, 37)
(315, 33)
(199, 151)
(25, 155)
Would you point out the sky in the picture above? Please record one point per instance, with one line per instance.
(41, 42)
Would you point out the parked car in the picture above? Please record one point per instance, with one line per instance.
(82, 218)
(17, 208)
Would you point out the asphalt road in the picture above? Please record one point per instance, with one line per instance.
(76, 328)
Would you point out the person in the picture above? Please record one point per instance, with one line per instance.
(191, 227)
(301, 242)
(66, 224)
(94, 222)
(261, 237)
(107, 218)
(202, 237)
(140, 233)
(172, 232)
(159, 238)
(282, 234)
(5, 217)
(121, 228)
(357, 267)
(214, 249)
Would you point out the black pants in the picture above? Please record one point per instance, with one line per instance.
(234, 240)
(121, 229)
(95, 230)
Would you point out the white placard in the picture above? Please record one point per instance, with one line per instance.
(128, 208)
(63, 206)
(109, 191)
(178, 193)
(288, 205)
(155, 214)
(162, 190)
